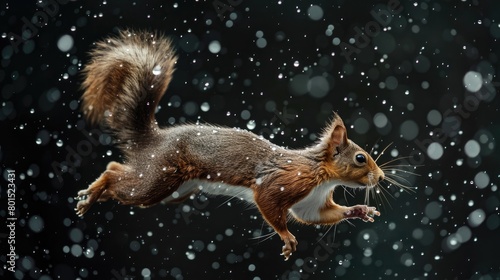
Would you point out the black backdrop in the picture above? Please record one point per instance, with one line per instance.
(424, 79)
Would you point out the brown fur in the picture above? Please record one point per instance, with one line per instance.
(122, 85)
(159, 161)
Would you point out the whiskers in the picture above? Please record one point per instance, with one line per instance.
(398, 172)
(263, 237)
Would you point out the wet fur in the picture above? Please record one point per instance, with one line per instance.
(169, 164)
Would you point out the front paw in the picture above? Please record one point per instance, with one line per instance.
(363, 212)
(289, 247)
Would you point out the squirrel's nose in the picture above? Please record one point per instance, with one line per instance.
(381, 178)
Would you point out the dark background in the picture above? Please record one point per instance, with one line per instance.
(429, 77)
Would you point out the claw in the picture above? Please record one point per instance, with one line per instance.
(81, 197)
(82, 207)
(78, 213)
(287, 256)
(289, 247)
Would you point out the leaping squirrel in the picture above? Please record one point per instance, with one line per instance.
(124, 82)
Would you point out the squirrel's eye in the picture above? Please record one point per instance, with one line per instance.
(360, 158)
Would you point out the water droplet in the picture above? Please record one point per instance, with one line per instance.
(472, 148)
(65, 43)
(476, 218)
(157, 70)
(482, 180)
(435, 151)
(473, 81)
(315, 12)
(190, 255)
(251, 124)
(214, 47)
(205, 107)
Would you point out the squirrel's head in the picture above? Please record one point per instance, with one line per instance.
(346, 161)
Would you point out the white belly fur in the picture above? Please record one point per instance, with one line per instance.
(213, 188)
(308, 209)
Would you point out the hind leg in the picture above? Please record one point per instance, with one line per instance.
(108, 193)
(90, 195)
(97, 190)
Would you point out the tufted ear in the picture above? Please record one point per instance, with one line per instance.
(334, 137)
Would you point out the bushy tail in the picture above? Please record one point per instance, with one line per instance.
(124, 81)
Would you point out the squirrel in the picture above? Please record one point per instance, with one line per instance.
(123, 84)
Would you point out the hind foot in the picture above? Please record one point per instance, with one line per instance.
(82, 195)
(83, 204)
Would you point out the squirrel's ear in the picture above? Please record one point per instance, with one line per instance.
(334, 137)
